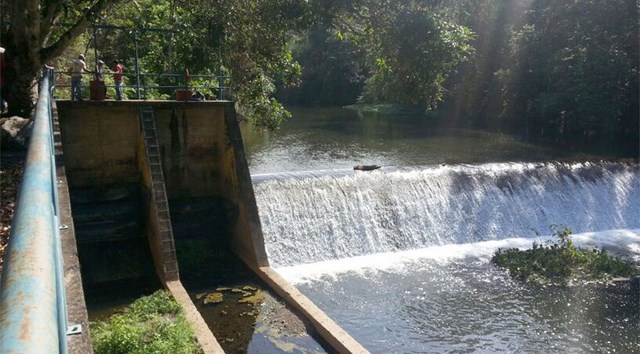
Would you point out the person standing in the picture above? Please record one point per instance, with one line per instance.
(118, 69)
(99, 69)
(78, 67)
(100, 88)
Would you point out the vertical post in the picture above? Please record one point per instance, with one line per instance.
(137, 65)
(95, 45)
(170, 54)
(186, 85)
(220, 83)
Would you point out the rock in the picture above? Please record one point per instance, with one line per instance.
(213, 298)
(15, 133)
(366, 167)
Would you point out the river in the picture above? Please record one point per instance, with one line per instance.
(399, 257)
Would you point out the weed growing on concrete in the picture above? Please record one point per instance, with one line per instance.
(152, 324)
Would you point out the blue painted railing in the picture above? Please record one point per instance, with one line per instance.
(33, 315)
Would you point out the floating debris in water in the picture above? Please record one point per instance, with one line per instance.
(253, 299)
(213, 298)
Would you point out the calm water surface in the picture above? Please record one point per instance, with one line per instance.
(337, 138)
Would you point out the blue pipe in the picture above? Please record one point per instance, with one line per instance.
(30, 285)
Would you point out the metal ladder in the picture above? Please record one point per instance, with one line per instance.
(158, 193)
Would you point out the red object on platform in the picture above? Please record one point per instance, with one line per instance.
(98, 91)
(183, 95)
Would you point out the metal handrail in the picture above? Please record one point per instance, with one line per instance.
(32, 301)
(140, 83)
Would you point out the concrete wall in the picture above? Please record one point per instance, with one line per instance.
(99, 144)
(201, 149)
(202, 156)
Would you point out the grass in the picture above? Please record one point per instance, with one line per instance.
(152, 324)
(561, 263)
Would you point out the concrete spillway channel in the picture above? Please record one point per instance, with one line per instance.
(158, 195)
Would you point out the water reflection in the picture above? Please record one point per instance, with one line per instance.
(335, 138)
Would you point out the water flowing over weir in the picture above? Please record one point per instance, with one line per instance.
(310, 219)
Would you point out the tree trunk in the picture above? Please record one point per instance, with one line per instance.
(22, 59)
(32, 23)
(21, 87)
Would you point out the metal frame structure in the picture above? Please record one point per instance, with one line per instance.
(221, 88)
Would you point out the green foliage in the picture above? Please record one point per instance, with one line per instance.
(152, 324)
(578, 71)
(558, 72)
(333, 71)
(561, 262)
(252, 43)
(563, 72)
(410, 51)
(244, 40)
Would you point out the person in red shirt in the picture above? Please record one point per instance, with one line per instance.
(118, 69)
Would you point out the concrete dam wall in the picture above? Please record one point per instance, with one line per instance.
(199, 152)
(156, 188)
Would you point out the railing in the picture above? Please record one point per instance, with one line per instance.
(157, 86)
(33, 315)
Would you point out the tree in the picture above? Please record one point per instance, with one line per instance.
(574, 74)
(34, 32)
(412, 50)
(406, 49)
(246, 40)
(409, 48)
(332, 70)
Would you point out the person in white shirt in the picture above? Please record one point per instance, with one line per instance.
(78, 67)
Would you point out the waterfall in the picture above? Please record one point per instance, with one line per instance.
(335, 216)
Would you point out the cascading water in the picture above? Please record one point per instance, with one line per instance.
(312, 219)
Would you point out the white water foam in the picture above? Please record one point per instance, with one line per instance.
(620, 242)
(332, 217)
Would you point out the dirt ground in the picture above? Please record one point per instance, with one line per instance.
(11, 169)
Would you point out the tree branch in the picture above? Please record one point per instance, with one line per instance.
(50, 17)
(76, 30)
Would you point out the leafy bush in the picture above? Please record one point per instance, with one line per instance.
(561, 262)
(152, 324)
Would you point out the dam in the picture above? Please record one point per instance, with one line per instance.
(144, 195)
(158, 194)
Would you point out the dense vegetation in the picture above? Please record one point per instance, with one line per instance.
(561, 262)
(152, 324)
(556, 72)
